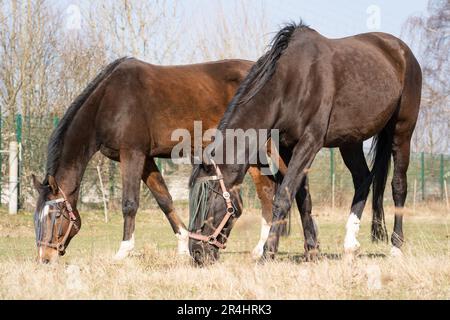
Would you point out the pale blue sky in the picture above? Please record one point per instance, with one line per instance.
(336, 18)
(332, 18)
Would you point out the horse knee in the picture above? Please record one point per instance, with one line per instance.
(280, 209)
(129, 208)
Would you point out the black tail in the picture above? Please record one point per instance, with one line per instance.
(381, 154)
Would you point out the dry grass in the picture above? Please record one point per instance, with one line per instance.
(154, 272)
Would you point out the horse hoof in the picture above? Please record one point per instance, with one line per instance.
(312, 255)
(126, 247)
(351, 253)
(257, 253)
(396, 252)
(268, 256)
(121, 255)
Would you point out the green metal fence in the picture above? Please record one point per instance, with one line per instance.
(330, 181)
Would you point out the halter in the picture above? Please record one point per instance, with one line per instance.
(212, 239)
(60, 246)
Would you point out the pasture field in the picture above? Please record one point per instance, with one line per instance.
(155, 272)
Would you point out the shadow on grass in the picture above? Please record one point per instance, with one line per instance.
(301, 258)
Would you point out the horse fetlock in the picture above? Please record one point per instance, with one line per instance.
(351, 244)
(397, 240)
(126, 247)
(183, 242)
(258, 251)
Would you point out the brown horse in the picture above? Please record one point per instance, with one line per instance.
(319, 92)
(128, 113)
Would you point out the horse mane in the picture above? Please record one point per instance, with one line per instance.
(56, 141)
(262, 71)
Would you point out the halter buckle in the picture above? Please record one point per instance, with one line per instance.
(212, 240)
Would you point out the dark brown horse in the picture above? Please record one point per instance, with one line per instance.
(321, 92)
(128, 113)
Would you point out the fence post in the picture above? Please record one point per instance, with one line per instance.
(1, 162)
(13, 177)
(441, 175)
(422, 174)
(19, 124)
(55, 121)
(159, 165)
(112, 172)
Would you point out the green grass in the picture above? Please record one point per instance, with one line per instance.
(154, 271)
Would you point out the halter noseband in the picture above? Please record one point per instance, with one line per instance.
(61, 245)
(212, 239)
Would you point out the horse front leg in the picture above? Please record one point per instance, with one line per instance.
(131, 165)
(302, 158)
(353, 156)
(155, 182)
(310, 232)
(265, 188)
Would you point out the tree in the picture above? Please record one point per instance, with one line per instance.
(429, 35)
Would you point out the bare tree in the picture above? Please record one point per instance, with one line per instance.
(240, 32)
(149, 30)
(429, 35)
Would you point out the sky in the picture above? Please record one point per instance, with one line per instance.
(334, 19)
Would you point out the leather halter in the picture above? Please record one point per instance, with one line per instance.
(212, 239)
(61, 245)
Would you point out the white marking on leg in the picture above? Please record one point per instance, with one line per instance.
(258, 252)
(351, 244)
(125, 248)
(396, 252)
(183, 241)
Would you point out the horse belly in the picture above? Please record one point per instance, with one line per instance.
(360, 118)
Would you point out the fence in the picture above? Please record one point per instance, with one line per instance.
(330, 181)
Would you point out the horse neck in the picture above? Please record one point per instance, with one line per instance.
(254, 115)
(78, 148)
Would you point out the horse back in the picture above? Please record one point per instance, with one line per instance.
(147, 102)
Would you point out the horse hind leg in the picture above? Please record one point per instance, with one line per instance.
(131, 164)
(154, 181)
(399, 192)
(404, 128)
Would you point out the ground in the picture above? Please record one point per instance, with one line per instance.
(155, 272)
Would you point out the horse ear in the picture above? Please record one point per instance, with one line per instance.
(37, 185)
(53, 185)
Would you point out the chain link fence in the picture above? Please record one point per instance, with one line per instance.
(330, 181)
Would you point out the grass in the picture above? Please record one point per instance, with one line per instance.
(155, 272)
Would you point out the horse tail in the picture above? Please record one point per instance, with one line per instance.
(381, 151)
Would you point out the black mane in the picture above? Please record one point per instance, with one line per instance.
(262, 70)
(55, 144)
